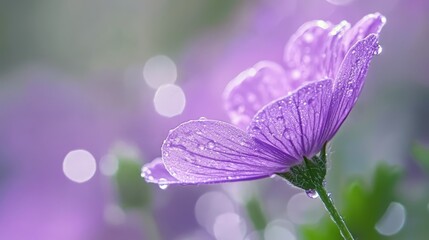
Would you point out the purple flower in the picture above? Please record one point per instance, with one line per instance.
(313, 53)
(321, 79)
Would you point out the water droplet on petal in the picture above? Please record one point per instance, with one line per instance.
(145, 172)
(201, 147)
(211, 144)
(296, 74)
(378, 51)
(349, 92)
(162, 183)
(311, 193)
(256, 129)
(308, 37)
(202, 118)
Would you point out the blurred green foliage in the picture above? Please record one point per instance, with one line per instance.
(363, 206)
(421, 154)
(87, 35)
(134, 193)
(256, 214)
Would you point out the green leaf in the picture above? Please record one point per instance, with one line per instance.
(133, 191)
(421, 154)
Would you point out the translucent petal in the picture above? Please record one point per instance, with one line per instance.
(371, 23)
(295, 124)
(307, 49)
(208, 151)
(252, 89)
(350, 81)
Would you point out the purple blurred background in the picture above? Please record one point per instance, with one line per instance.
(99, 80)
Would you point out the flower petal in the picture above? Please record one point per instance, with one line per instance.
(208, 151)
(350, 80)
(343, 40)
(155, 172)
(371, 23)
(313, 52)
(295, 124)
(305, 50)
(252, 89)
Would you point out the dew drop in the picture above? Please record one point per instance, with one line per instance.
(296, 74)
(145, 172)
(201, 147)
(353, 51)
(349, 92)
(162, 183)
(308, 37)
(378, 50)
(311, 193)
(256, 129)
(202, 118)
(211, 144)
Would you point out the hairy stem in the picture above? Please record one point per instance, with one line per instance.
(333, 212)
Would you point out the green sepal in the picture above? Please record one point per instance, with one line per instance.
(310, 174)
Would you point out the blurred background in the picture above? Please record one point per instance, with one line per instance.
(89, 90)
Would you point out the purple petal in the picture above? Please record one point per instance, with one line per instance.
(155, 172)
(350, 80)
(295, 124)
(254, 88)
(305, 42)
(346, 38)
(313, 52)
(334, 54)
(208, 151)
(371, 23)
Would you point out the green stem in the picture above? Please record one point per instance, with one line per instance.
(335, 216)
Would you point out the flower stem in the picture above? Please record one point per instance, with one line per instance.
(335, 216)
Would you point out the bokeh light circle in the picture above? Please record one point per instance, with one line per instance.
(79, 166)
(159, 70)
(302, 209)
(211, 205)
(393, 220)
(229, 226)
(169, 100)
